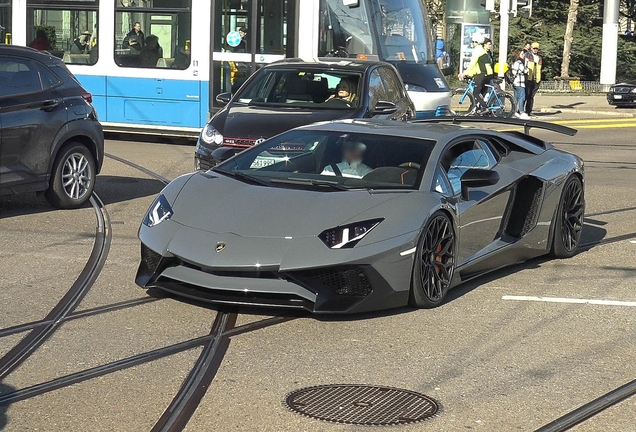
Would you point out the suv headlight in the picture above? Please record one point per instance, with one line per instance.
(633, 90)
(347, 236)
(209, 135)
(159, 211)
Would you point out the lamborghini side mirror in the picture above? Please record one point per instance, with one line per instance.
(474, 178)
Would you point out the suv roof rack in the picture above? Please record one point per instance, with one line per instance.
(527, 124)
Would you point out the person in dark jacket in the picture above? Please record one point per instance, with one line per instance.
(41, 41)
(151, 52)
(135, 38)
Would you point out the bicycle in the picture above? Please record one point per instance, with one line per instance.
(498, 102)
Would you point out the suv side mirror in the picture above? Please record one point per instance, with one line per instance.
(223, 98)
(384, 107)
(474, 178)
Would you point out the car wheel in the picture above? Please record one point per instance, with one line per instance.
(434, 262)
(72, 178)
(569, 219)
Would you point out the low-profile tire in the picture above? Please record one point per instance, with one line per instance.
(73, 177)
(569, 219)
(434, 264)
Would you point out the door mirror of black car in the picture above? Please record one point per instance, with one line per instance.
(474, 178)
(384, 107)
(223, 153)
(224, 98)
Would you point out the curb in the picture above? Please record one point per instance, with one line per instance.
(578, 111)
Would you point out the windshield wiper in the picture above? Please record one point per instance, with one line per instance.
(242, 176)
(308, 182)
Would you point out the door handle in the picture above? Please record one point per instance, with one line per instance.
(49, 105)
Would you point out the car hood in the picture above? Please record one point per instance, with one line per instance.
(221, 205)
(240, 121)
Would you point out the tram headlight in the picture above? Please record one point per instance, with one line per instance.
(209, 135)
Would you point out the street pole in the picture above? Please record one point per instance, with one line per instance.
(504, 19)
(609, 48)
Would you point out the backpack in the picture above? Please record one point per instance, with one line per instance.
(444, 61)
(510, 78)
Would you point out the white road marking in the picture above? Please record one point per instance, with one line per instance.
(408, 252)
(633, 241)
(571, 300)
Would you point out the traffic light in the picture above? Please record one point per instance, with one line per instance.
(524, 7)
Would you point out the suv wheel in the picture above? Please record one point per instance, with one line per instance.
(73, 177)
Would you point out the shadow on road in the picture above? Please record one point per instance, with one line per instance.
(115, 189)
(4, 419)
(111, 189)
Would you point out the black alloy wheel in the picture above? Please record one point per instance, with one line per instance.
(434, 262)
(569, 222)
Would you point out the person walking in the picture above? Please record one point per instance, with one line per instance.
(480, 69)
(519, 69)
(533, 81)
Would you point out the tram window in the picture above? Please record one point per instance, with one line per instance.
(392, 30)
(5, 21)
(153, 34)
(66, 31)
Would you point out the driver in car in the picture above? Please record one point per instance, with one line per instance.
(351, 165)
(345, 91)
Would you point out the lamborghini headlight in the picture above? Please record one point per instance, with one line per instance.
(347, 236)
(159, 211)
(210, 135)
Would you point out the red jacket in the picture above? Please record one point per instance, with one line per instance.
(41, 44)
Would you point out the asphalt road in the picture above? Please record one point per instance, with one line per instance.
(495, 362)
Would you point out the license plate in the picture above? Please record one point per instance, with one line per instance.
(618, 96)
(261, 163)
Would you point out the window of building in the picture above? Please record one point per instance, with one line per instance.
(66, 30)
(153, 33)
(5, 21)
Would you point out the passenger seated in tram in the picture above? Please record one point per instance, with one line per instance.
(81, 44)
(151, 52)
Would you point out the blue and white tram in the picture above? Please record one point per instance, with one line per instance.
(156, 66)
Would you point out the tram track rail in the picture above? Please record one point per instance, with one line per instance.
(54, 319)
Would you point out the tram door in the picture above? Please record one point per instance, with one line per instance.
(245, 35)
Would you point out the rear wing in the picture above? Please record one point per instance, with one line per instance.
(526, 124)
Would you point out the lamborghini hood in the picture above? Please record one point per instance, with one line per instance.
(217, 204)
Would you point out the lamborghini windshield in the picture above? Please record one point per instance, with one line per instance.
(332, 161)
(304, 88)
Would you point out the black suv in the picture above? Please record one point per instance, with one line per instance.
(292, 93)
(50, 139)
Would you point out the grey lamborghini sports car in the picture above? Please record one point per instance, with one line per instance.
(361, 215)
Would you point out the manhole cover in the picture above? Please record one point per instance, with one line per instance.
(362, 404)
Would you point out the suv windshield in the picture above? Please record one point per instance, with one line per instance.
(393, 30)
(303, 88)
(328, 160)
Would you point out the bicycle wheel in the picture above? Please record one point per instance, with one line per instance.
(504, 105)
(462, 102)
